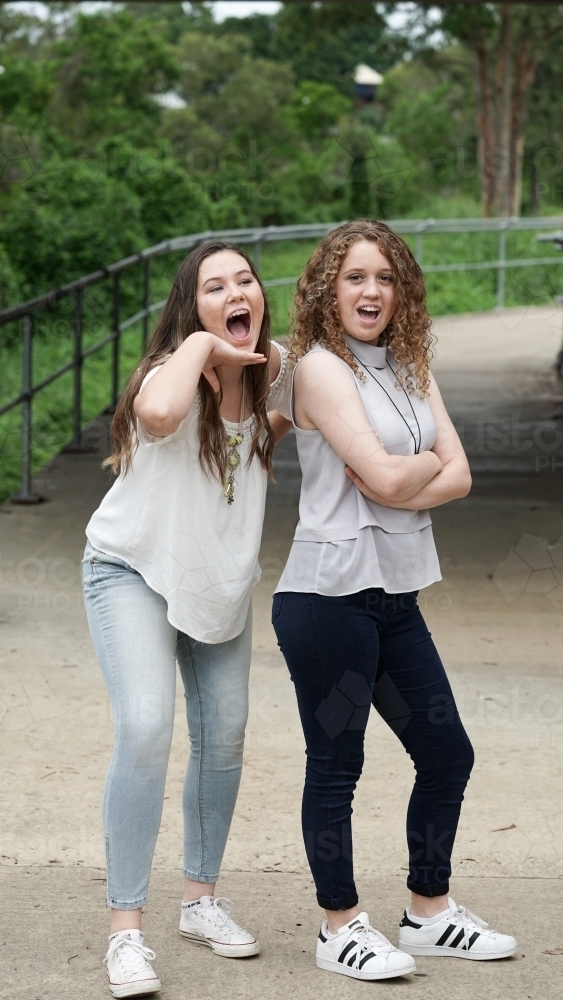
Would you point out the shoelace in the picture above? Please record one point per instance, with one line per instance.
(222, 909)
(134, 957)
(369, 940)
(468, 917)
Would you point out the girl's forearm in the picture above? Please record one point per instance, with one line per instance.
(406, 476)
(451, 483)
(168, 397)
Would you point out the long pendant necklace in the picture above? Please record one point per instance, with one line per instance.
(233, 443)
(417, 444)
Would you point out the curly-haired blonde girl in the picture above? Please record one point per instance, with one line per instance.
(377, 449)
(316, 319)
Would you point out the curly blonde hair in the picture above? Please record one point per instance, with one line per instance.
(316, 319)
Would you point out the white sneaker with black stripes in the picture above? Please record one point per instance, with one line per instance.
(359, 951)
(455, 933)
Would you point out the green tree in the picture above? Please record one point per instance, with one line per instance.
(58, 232)
(109, 68)
(508, 41)
(172, 20)
(169, 202)
(429, 105)
(326, 41)
(316, 108)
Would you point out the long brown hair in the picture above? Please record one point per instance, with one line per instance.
(316, 318)
(177, 321)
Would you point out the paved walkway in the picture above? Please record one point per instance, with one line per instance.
(497, 617)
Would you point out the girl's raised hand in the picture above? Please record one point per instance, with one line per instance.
(222, 353)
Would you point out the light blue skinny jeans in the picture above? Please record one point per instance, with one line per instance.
(137, 648)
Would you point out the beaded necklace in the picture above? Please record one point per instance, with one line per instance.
(233, 443)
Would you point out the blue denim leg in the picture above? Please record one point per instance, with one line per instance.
(135, 645)
(215, 680)
(137, 649)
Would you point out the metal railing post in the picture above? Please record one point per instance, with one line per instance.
(501, 275)
(77, 371)
(116, 334)
(257, 253)
(559, 361)
(420, 230)
(146, 301)
(25, 495)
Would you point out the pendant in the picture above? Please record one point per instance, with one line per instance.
(229, 485)
(233, 462)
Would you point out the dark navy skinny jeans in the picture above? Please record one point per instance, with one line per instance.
(345, 654)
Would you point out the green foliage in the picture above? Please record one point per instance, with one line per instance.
(169, 202)
(431, 114)
(108, 68)
(26, 88)
(10, 280)
(324, 42)
(316, 108)
(56, 232)
(172, 20)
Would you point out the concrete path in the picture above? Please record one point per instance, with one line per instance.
(497, 617)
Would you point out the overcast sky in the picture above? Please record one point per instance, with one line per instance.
(242, 8)
(221, 8)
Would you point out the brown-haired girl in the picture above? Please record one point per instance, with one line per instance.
(377, 449)
(169, 568)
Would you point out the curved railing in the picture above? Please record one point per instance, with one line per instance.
(25, 313)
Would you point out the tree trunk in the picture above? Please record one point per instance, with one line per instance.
(524, 75)
(503, 114)
(485, 126)
(507, 49)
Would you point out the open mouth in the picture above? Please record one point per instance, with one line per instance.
(238, 324)
(369, 313)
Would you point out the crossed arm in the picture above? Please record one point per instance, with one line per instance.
(327, 399)
(454, 479)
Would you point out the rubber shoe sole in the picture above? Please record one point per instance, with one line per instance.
(136, 989)
(444, 952)
(224, 950)
(345, 970)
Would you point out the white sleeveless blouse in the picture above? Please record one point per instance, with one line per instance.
(170, 521)
(343, 542)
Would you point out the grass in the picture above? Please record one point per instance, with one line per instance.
(53, 341)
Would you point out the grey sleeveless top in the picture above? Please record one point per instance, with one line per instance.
(343, 542)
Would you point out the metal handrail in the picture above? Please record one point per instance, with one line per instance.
(256, 236)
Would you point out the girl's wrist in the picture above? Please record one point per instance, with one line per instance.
(201, 339)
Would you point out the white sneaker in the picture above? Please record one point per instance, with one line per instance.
(208, 921)
(130, 973)
(457, 933)
(359, 951)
